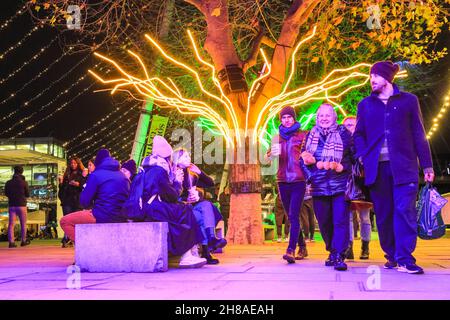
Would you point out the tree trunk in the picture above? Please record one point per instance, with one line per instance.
(245, 221)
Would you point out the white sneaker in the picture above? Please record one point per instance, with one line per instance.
(194, 251)
(279, 239)
(190, 261)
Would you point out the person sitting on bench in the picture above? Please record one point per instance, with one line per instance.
(106, 190)
(162, 188)
(206, 213)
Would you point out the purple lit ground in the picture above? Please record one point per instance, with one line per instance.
(245, 272)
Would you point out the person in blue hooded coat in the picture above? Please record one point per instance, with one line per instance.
(106, 190)
(162, 189)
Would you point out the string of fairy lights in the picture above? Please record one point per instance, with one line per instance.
(34, 57)
(439, 116)
(67, 103)
(19, 43)
(113, 139)
(95, 125)
(119, 137)
(123, 141)
(40, 74)
(45, 106)
(110, 134)
(93, 142)
(123, 150)
(90, 139)
(17, 14)
(28, 103)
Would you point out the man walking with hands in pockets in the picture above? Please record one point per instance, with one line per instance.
(389, 138)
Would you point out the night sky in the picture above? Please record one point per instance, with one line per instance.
(46, 93)
(90, 107)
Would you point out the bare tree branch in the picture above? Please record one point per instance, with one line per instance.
(297, 15)
(251, 59)
(199, 4)
(268, 42)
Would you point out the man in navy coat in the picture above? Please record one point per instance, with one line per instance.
(389, 140)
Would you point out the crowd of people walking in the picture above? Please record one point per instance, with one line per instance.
(386, 138)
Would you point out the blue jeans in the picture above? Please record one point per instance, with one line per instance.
(366, 227)
(291, 195)
(332, 214)
(204, 215)
(395, 209)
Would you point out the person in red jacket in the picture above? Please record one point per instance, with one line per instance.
(290, 178)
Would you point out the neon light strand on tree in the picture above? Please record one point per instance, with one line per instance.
(167, 94)
(314, 92)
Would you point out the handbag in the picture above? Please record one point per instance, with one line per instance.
(430, 224)
(356, 190)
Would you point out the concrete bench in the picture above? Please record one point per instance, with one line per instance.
(122, 247)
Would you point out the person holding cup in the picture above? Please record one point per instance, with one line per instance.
(207, 215)
(290, 179)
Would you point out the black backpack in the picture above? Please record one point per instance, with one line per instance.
(132, 209)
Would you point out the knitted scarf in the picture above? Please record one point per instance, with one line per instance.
(333, 148)
(287, 133)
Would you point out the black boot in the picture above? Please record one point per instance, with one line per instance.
(289, 256)
(364, 250)
(301, 253)
(349, 252)
(330, 261)
(339, 263)
(213, 242)
(64, 242)
(207, 255)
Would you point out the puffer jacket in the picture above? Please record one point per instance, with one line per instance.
(329, 182)
(106, 191)
(289, 169)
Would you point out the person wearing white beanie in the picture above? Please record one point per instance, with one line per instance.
(162, 189)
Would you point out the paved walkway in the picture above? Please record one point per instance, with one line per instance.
(245, 272)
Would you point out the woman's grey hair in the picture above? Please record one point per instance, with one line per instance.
(327, 105)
